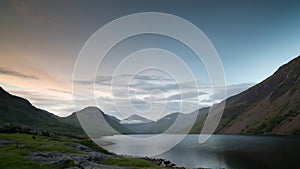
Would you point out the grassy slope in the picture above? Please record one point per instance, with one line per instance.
(12, 154)
(270, 107)
(129, 162)
(18, 110)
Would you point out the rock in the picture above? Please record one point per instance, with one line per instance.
(89, 159)
(79, 147)
(162, 162)
(93, 165)
(20, 145)
(73, 161)
(4, 142)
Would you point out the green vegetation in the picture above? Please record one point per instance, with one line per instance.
(11, 158)
(296, 132)
(40, 143)
(92, 145)
(266, 125)
(18, 110)
(197, 127)
(12, 155)
(129, 162)
(235, 110)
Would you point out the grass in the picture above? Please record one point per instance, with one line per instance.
(12, 155)
(92, 145)
(197, 127)
(129, 162)
(12, 158)
(37, 143)
(266, 125)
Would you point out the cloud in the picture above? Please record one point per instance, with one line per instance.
(63, 111)
(158, 94)
(105, 80)
(234, 89)
(188, 95)
(62, 106)
(40, 97)
(17, 74)
(59, 91)
(27, 11)
(139, 101)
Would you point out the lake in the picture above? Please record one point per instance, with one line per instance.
(219, 151)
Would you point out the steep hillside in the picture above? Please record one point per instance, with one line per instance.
(72, 120)
(97, 124)
(270, 107)
(93, 119)
(174, 123)
(18, 110)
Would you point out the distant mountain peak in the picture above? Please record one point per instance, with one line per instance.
(135, 119)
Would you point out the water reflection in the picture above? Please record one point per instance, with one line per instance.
(220, 151)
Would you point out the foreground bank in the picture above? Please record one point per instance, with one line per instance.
(29, 151)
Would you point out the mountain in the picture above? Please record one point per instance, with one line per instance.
(71, 120)
(93, 119)
(94, 122)
(18, 110)
(179, 122)
(270, 107)
(135, 119)
(174, 123)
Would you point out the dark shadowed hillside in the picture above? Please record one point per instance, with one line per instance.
(270, 107)
(18, 110)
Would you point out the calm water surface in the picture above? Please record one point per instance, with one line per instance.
(219, 151)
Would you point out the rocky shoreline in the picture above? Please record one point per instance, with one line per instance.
(71, 161)
(88, 161)
(87, 158)
(162, 163)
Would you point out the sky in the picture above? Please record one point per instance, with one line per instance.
(41, 40)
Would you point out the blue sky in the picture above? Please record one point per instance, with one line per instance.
(40, 40)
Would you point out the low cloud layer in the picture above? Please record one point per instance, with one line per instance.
(152, 96)
(17, 74)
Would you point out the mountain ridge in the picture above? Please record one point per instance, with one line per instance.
(19, 110)
(270, 107)
(135, 119)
